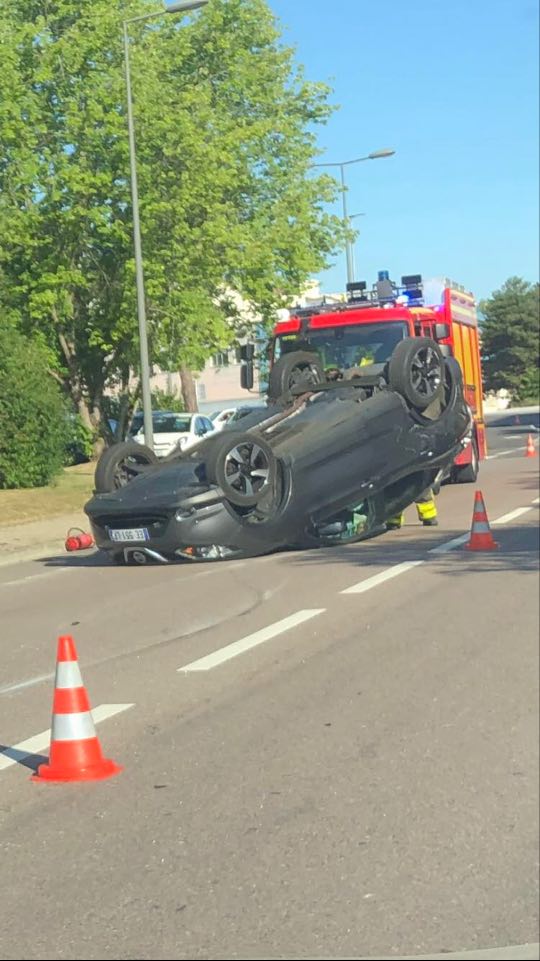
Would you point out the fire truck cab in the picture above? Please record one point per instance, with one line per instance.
(368, 324)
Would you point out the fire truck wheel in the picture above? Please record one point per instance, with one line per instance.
(243, 465)
(416, 371)
(120, 464)
(301, 368)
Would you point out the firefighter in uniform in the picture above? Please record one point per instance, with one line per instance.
(425, 508)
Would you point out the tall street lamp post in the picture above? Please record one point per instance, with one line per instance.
(181, 7)
(375, 155)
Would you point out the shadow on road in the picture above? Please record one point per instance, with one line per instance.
(518, 551)
(31, 761)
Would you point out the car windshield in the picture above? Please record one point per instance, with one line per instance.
(163, 424)
(345, 346)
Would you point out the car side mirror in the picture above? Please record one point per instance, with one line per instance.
(442, 331)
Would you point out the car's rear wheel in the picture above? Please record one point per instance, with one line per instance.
(299, 369)
(416, 371)
(120, 464)
(243, 465)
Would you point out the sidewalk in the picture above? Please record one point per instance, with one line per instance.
(37, 539)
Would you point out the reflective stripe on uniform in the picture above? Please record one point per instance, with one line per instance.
(426, 510)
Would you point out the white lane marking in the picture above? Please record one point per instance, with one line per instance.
(37, 577)
(33, 745)
(525, 952)
(512, 515)
(252, 640)
(29, 683)
(449, 545)
(536, 501)
(503, 453)
(386, 575)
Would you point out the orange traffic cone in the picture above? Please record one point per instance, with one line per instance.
(481, 536)
(531, 449)
(75, 753)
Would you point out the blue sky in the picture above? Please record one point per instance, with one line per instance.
(452, 86)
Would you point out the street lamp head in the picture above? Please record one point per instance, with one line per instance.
(184, 6)
(377, 154)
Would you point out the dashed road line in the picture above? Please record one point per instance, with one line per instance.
(512, 515)
(252, 640)
(10, 688)
(449, 545)
(503, 453)
(33, 745)
(377, 579)
(37, 577)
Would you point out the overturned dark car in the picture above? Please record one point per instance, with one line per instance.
(330, 458)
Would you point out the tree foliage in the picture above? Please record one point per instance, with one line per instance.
(225, 128)
(510, 339)
(32, 414)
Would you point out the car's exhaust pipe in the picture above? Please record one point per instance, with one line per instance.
(140, 555)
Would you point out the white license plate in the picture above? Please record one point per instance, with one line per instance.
(129, 534)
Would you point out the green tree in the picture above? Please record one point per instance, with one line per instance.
(33, 414)
(510, 339)
(225, 127)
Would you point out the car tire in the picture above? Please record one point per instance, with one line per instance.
(301, 368)
(469, 472)
(416, 371)
(120, 464)
(243, 465)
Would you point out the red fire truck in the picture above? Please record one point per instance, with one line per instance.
(366, 326)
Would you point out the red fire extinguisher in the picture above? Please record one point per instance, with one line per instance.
(78, 542)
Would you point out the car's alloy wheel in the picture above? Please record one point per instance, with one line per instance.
(243, 465)
(416, 371)
(426, 373)
(247, 470)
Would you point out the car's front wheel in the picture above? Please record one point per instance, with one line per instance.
(416, 371)
(243, 465)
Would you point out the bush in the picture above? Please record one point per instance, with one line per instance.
(161, 400)
(32, 414)
(79, 441)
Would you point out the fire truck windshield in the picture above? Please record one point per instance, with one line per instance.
(345, 346)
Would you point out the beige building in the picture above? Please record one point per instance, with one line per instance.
(218, 385)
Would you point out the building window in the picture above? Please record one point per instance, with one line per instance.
(221, 359)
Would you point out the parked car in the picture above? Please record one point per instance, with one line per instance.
(172, 430)
(221, 417)
(242, 412)
(231, 416)
(324, 462)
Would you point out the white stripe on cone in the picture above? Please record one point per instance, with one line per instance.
(68, 674)
(72, 727)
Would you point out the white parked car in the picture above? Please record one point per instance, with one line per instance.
(221, 417)
(172, 430)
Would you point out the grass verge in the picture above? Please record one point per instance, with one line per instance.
(66, 495)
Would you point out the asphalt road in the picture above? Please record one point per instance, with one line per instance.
(310, 771)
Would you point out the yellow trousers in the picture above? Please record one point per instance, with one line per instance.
(425, 508)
